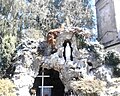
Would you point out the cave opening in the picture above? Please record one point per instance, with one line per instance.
(52, 86)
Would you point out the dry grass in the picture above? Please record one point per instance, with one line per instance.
(88, 86)
(6, 88)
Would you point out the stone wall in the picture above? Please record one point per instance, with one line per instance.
(117, 15)
(106, 20)
(117, 48)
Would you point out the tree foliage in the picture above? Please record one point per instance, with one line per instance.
(78, 13)
(8, 33)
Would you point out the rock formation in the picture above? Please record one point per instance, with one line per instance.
(86, 75)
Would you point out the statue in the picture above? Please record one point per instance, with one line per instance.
(67, 53)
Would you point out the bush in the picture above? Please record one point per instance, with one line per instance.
(6, 88)
(112, 58)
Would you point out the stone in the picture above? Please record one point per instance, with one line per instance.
(77, 76)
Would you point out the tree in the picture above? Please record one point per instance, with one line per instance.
(78, 13)
(8, 33)
(49, 14)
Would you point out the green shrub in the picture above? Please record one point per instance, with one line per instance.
(112, 58)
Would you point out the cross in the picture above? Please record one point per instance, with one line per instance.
(43, 76)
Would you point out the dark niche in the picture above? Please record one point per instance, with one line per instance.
(53, 80)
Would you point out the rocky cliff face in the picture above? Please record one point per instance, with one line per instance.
(86, 75)
(26, 62)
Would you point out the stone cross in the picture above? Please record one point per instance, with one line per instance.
(42, 87)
